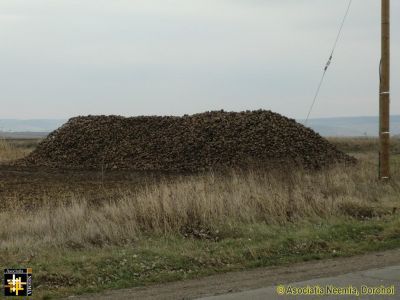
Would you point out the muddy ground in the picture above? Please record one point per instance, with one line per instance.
(32, 186)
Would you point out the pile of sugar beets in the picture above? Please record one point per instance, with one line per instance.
(207, 141)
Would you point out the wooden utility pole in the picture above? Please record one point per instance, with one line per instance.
(384, 95)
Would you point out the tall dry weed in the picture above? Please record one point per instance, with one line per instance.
(9, 152)
(209, 201)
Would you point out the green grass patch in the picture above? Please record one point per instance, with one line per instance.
(160, 258)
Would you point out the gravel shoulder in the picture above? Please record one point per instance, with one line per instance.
(253, 279)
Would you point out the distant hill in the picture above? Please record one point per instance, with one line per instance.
(342, 126)
(34, 125)
(351, 126)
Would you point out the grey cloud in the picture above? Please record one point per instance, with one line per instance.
(68, 57)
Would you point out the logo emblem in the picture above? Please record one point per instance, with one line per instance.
(18, 282)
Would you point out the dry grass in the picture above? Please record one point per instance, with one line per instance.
(206, 203)
(10, 151)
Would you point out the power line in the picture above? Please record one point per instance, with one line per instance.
(329, 60)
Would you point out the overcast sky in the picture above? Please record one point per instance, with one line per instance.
(61, 58)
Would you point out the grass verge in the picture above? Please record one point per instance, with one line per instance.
(155, 258)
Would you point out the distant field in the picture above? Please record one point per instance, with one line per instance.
(352, 126)
(92, 231)
(363, 144)
(23, 135)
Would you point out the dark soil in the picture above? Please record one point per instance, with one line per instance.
(207, 141)
(32, 187)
